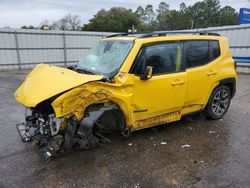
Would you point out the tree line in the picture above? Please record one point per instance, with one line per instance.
(206, 13)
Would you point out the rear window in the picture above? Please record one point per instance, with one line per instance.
(215, 49)
(197, 53)
(201, 52)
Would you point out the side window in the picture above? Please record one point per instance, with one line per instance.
(197, 53)
(215, 49)
(164, 58)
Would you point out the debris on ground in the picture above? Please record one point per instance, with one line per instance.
(221, 119)
(172, 182)
(211, 132)
(163, 143)
(137, 185)
(190, 128)
(185, 146)
(130, 144)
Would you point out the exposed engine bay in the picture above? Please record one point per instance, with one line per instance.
(54, 135)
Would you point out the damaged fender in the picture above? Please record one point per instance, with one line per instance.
(76, 101)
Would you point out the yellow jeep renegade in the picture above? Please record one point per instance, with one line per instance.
(126, 83)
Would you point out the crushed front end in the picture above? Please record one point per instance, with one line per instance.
(41, 87)
(64, 111)
(54, 135)
(41, 127)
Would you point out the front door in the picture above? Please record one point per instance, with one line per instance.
(160, 98)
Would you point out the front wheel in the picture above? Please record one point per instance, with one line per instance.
(218, 103)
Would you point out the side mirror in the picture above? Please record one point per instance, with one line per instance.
(147, 74)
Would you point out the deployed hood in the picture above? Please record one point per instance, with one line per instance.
(46, 81)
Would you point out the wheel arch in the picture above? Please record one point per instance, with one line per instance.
(108, 108)
(230, 83)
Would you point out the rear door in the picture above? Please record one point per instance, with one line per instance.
(202, 60)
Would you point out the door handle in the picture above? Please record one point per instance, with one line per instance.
(212, 73)
(177, 83)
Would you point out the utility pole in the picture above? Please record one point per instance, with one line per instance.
(192, 24)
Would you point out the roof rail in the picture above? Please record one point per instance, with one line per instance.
(118, 35)
(165, 33)
(138, 34)
(162, 33)
(207, 33)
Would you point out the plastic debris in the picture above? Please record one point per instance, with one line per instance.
(172, 182)
(152, 138)
(185, 146)
(190, 128)
(130, 144)
(211, 132)
(137, 185)
(221, 119)
(163, 143)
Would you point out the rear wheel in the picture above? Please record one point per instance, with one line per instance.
(218, 103)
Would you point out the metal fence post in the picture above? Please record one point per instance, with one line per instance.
(64, 50)
(17, 50)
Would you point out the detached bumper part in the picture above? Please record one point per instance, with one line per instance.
(26, 132)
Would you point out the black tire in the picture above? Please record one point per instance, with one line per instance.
(218, 103)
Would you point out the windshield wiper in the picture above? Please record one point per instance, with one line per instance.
(84, 71)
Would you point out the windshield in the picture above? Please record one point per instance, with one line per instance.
(106, 57)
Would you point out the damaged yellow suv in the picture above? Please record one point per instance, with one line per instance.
(126, 83)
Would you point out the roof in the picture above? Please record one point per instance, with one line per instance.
(157, 36)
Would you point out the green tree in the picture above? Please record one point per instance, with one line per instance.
(147, 18)
(140, 12)
(146, 15)
(228, 16)
(116, 19)
(174, 19)
(204, 13)
(162, 14)
(183, 7)
(211, 12)
(196, 14)
(163, 7)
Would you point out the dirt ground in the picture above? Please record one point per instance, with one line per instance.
(218, 156)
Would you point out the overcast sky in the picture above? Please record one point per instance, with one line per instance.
(16, 13)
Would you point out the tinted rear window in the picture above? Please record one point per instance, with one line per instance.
(197, 53)
(215, 49)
